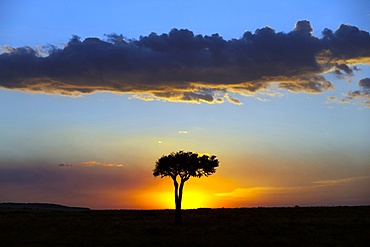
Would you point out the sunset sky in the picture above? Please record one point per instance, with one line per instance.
(93, 93)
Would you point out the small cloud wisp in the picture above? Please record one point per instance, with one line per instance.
(91, 164)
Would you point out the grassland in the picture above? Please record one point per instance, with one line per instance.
(313, 226)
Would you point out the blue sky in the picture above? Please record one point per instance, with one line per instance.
(273, 142)
(41, 22)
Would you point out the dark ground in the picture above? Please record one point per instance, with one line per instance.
(316, 226)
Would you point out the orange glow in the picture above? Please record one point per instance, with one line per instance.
(198, 193)
(190, 200)
(165, 199)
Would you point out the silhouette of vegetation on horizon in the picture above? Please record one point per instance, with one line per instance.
(180, 167)
(46, 206)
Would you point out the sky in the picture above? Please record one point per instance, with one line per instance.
(93, 93)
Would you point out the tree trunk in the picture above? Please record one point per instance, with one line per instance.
(178, 216)
(178, 199)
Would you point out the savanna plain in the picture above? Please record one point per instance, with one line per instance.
(295, 226)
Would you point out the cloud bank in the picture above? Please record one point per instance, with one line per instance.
(183, 67)
(92, 183)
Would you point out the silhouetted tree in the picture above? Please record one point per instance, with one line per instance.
(180, 167)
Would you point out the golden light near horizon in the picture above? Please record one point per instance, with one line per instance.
(163, 197)
(191, 200)
(197, 193)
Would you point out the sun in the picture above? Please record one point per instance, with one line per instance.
(162, 196)
(191, 199)
(194, 199)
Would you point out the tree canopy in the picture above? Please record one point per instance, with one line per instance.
(185, 165)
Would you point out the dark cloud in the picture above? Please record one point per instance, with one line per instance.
(303, 26)
(363, 94)
(365, 84)
(348, 44)
(311, 84)
(182, 66)
(355, 68)
(342, 70)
